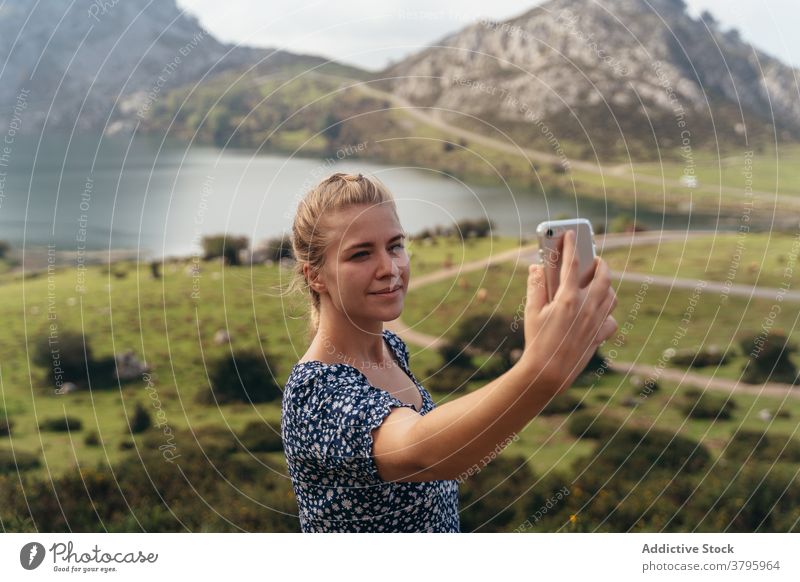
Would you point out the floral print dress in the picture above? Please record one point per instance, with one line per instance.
(328, 413)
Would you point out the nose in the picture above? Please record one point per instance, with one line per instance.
(388, 266)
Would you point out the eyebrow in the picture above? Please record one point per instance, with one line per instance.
(369, 244)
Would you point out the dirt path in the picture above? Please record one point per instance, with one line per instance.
(528, 254)
(431, 118)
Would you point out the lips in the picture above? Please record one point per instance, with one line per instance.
(389, 292)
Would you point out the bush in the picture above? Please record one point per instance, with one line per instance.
(644, 386)
(708, 405)
(222, 245)
(61, 424)
(279, 248)
(635, 451)
(5, 246)
(496, 494)
(595, 363)
(762, 446)
(140, 421)
(13, 461)
(92, 439)
(589, 425)
(450, 379)
(563, 403)
(625, 223)
(453, 355)
(5, 427)
(477, 228)
(768, 359)
(260, 437)
(494, 334)
(699, 357)
(244, 376)
(64, 359)
(92, 500)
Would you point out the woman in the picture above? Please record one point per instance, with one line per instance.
(367, 449)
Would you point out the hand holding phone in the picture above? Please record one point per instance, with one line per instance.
(563, 332)
(551, 250)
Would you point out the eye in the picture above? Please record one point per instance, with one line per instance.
(357, 255)
(398, 245)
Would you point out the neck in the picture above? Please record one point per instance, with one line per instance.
(352, 342)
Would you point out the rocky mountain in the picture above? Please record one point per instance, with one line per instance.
(607, 74)
(92, 63)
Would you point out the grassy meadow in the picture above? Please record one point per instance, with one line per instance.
(171, 323)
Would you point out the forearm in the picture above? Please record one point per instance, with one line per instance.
(455, 436)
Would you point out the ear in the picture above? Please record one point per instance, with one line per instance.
(313, 279)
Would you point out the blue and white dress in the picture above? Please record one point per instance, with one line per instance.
(327, 416)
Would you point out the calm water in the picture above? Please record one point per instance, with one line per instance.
(161, 199)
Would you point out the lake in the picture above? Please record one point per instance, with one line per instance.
(159, 199)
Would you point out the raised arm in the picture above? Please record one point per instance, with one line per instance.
(560, 338)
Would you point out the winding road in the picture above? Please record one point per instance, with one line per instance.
(529, 253)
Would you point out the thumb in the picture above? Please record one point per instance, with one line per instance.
(537, 292)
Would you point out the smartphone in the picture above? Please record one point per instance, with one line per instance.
(550, 234)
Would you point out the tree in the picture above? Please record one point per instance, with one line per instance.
(496, 334)
(244, 376)
(140, 421)
(223, 245)
(768, 358)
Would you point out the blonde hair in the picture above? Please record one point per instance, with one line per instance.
(310, 238)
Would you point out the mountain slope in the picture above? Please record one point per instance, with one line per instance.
(55, 54)
(598, 74)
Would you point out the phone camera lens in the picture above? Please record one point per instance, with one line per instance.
(549, 232)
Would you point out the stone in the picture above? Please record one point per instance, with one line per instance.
(128, 366)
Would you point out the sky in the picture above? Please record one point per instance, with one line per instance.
(373, 34)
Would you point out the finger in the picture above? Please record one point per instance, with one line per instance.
(537, 292)
(589, 277)
(609, 303)
(601, 282)
(551, 262)
(568, 276)
(607, 329)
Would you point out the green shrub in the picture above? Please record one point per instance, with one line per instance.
(644, 386)
(454, 356)
(16, 460)
(768, 358)
(755, 445)
(143, 492)
(63, 357)
(496, 334)
(708, 405)
(61, 424)
(699, 357)
(140, 421)
(449, 380)
(496, 494)
(5, 427)
(635, 451)
(260, 437)
(563, 403)
(244, 376)
(92, 439)
(279, 248)
(589, 425)
(226, 246)
(596, 363)
(478, 228)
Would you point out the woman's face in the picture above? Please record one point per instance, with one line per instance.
(367, 255)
